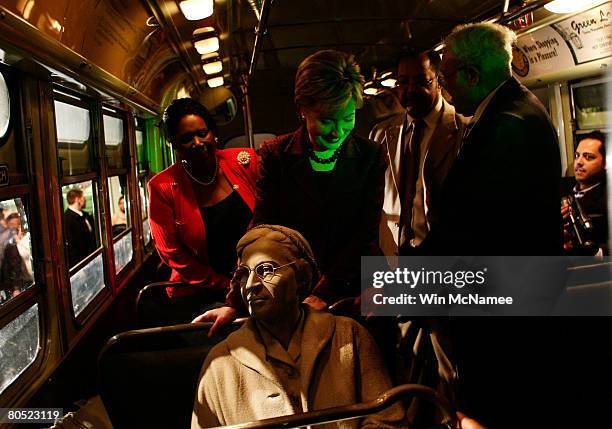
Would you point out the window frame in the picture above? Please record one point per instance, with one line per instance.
(26, 188)
(125, 171)
(97, 178)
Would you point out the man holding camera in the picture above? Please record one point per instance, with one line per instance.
(589, 211)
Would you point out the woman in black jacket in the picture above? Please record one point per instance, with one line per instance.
(323, 180)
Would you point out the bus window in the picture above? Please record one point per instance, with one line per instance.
(19, 345)
(16, 268)
(140, 151)
(144, 204)
(73, 126)
(12, 154)
(81, 240)
(120, 220)
(86, 283)
(143, 175)
(114, 137)
(589, 99)
(20, 280)
(5, 107)
(81, 229)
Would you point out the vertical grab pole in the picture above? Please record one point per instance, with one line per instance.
(246, 110)
(260, 33)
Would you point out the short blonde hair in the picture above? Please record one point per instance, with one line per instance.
(485, 45)
(327, 80)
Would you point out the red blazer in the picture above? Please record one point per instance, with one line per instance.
(176, 222)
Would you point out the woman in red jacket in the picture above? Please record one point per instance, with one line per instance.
(200, 207)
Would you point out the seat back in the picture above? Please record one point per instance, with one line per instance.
(155, 308)
(148, 377)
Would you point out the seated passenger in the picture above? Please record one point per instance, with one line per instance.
(589, 190)
(200, 207)
(288, 358)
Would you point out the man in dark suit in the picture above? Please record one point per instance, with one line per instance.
(499, 198)
(589, 188)
(79, 230)
(501, 193)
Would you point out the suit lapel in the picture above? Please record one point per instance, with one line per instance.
(392, 138)
(443, 139)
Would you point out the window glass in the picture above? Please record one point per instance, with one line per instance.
(73, 136)
(86, 283)
(5, 107)
(590, 105)
(12, 145)
(140, 152)
(146, 232)
(119, 201)
(16, 268)
(81, 229)
(113, 130)
(144, 199)
(123, 252)
(19, 341)
(139, 138)
(113, 138)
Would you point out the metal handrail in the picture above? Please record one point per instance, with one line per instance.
(357, 410)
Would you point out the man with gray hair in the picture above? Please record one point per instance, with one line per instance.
(500, 198)
(501, 195)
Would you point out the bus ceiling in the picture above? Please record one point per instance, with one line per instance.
(147, 52)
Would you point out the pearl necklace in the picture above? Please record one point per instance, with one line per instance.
(313, 156)
(195, 179)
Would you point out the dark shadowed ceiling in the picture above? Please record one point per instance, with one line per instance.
(374, 30)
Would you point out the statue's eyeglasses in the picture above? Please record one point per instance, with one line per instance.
(265, 271)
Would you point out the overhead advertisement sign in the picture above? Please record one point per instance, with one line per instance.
(576, 40)
(588, 34)
(540, 52)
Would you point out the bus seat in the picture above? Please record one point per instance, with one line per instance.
(362, 409)
(155, 308)
(148, 377)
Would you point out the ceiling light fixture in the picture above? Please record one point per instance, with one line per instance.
(569, 6)
(213, 67)
(206, 40)
(389, 82)
(386, 79)
(370, 90)
(215, 81)
(196, 9)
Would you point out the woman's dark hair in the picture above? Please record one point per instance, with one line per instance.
(182, 107)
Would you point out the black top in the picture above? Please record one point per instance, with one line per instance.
(225, 222)
(337, 212)
(322, 180)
